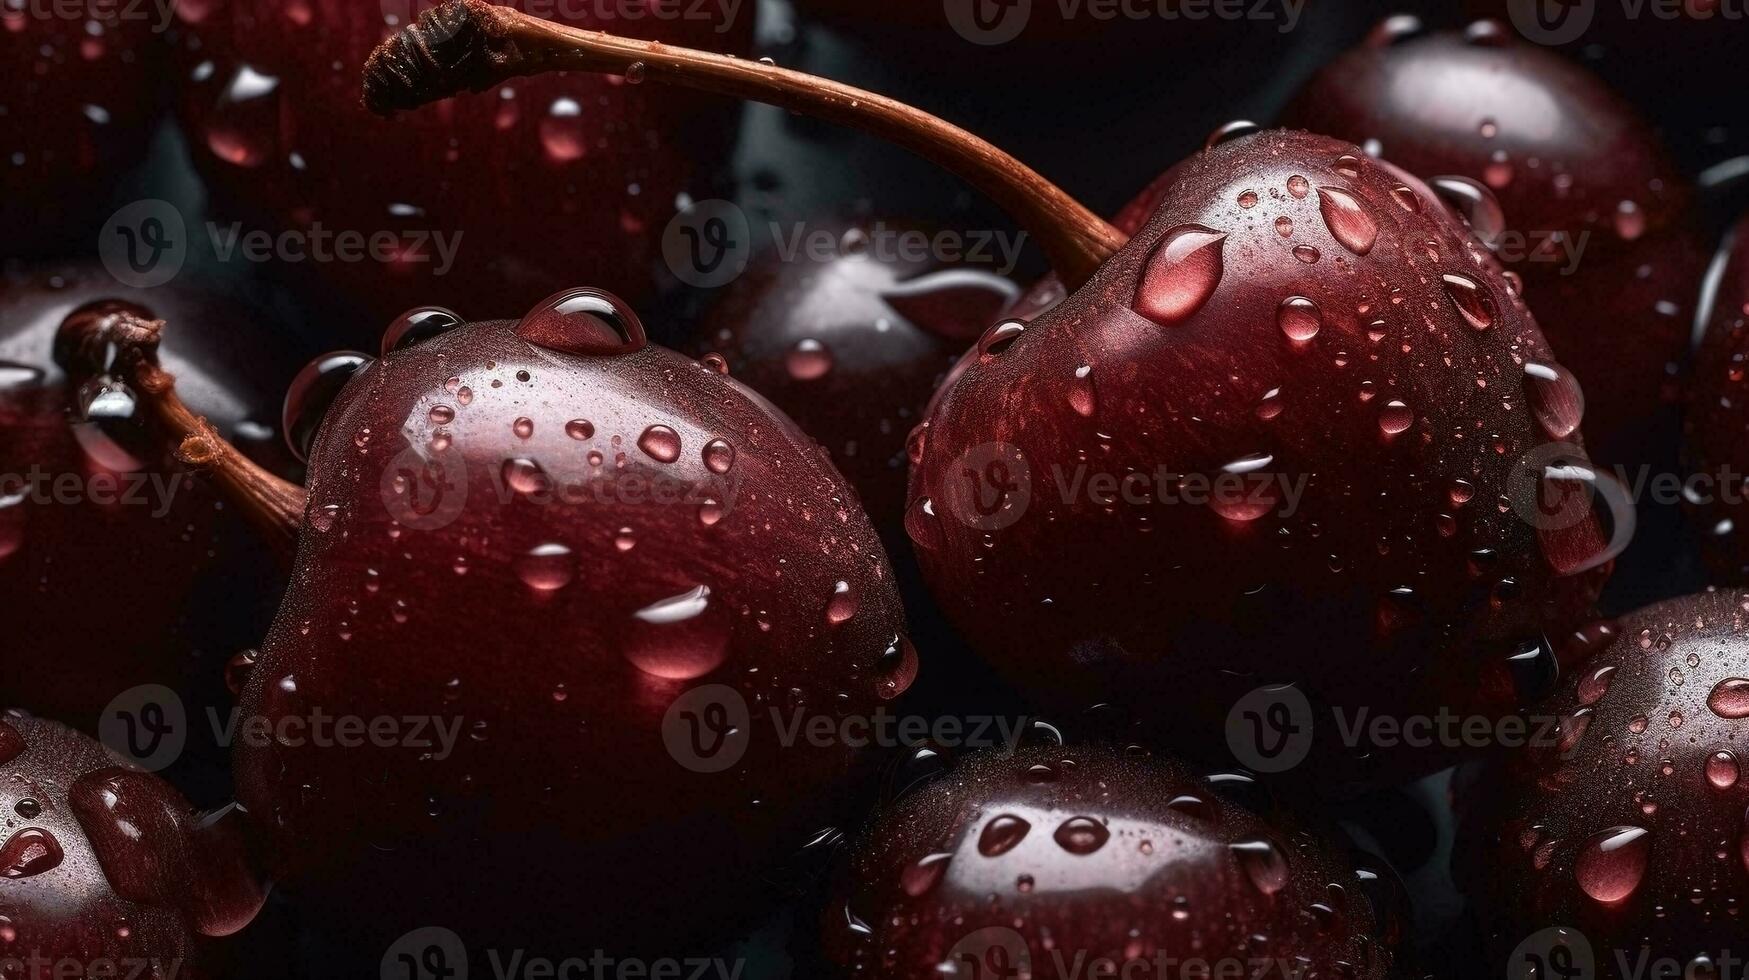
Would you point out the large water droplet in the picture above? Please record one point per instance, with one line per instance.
(1348, 220)
(583, 321)
(1555, 398)
(547, 567)
(682, 637)
(1082, 835)
(417, 326)
(1612, 863)
(1181, 274)
(312, 393)
(1475, 203)
(29, 852)
(660, 443)
(808, 360)
(1471, 298)
(1263, 863)
(1722, 769)
(1299, 318)
(1002, 834)
(1730, 698)
(918, 879)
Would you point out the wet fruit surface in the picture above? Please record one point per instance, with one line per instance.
(1628, 826)
(602, 573)
(489, 202)
(1592, 212)
(83, 89)
(852, 347)
(1258, 450)
(105, 867)
(1054, 856)
(120, 567)
(1717, 427)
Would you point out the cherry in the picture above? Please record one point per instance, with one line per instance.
(270, 98)
(1295, 314)
(1594, 220)
(106, 867)
(587, 582)
(83, 92)
(1054, 856)
(121, 569)
(852, 347)
(1625, 827)
(1717, 433)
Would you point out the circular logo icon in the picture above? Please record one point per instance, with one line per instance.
(1270, 729)
(1551, 488)
(988, 22)
(989, 486)
(1552, 21)
(430, 953)
(144, 244)
(708, 244)
(425, 491)
(145, 725)
(1555, 953)
(707, 729)
(991, 953)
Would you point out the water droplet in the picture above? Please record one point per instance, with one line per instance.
(1230, 131)
(1473, 202)
(1555, 398)
(1612, 863)
(1263, 863)
(1406, 198)
(1722, 769)
(918, 879)
(561, 131)
(841, 607)
(417, 326)
(1082, 835)
(583, 321)
(996, 340)
(1299, 318)
(1471, 298)
(808, 360)
(29, 852)
(660, 443)
(1308, 254)
(524, 475)
(312, 393)
(1298, 186)
(1630, 221)
(1347, 220)
(547, 567)
(1181, 274)
(1395, 418)
(682, 637)
(1730, 698)
(1595, 684)
(1002, 835)
(523, 427)
(580, 429)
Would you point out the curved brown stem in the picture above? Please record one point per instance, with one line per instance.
(120, 340)
(471, 45)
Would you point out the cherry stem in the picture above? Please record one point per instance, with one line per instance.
(472, 45)
(121, 341)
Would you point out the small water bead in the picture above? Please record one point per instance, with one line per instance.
(1181, 274)
(1002, 834)
(1406, 198)
(996, 340)
(547, 567)
(681, 637)
(1270, 405)
(523, 475)
(1722, 769)
(1471, 298)
(1348, 165)
(625, 539)
(561, 131)
(1230, 131)
(1081, 835)
(441, 414)
(1555, 398)
(28, 808)
(580, 429)
(920, 878)
(808, 360)
(1612, 863)
(841, 607)
(1630, 221)
(523, 427)
(1299, 318)
(636, 71)
(1348, 220)
(1248, 200)
(1308, 254)
(660, 443)
(718, 455)
(1595, 684)
(418, 325)
(1284, 226)
(1395, 418)
(1298, 186)
(715, 363)
(583, 321)
(1475, 203)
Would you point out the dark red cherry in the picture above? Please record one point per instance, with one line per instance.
(84, 84)
(1313, 331)
(1625, 825)
(1595, 220)
(101, 864)
(481, 205)
(1053, 859)
(583, 579)
(121, 569)
(1717, 429)
(852, 346)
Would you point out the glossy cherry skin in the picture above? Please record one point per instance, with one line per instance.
(133, 572)
(1565, 157)
(101, 864)
(1629, 828)
(1716, 426)
(543, 179)
(1053, 855)
(551, 551)
(1401, 580)
(852, 347)
(84, 84)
